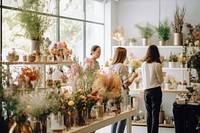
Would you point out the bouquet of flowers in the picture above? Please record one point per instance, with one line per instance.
(61, 49)
(89, 62)
(29, 103)
(193, 35)
(173, 58)
(84, 77)
(107, 83)
(133, 63)
(29, 74)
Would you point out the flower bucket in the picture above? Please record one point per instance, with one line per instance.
(57, 121)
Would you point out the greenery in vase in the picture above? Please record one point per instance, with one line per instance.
(163, 31)
(32, 21)
(179, 15)
(194, 62)
(146, 31)
(173, 58)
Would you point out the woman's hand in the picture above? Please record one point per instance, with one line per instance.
(134, 75)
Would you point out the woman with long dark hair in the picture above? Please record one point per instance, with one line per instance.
(152, 77)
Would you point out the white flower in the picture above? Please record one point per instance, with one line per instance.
(71, 103)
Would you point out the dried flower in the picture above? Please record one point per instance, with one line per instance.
(178, 20)
(107, 83)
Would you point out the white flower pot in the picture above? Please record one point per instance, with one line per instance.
(172, 64)
(145, 41)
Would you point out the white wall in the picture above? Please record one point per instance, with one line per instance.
(133, 12)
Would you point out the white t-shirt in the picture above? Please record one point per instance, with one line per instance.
(152, 75)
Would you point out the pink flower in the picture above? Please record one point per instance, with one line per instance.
(61, 45)
(75, 68)
(89, 62)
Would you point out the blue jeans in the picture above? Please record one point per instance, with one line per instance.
(118, 127)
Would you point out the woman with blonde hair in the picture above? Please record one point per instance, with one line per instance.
(118, 66)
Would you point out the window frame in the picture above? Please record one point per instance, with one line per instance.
(58, 17)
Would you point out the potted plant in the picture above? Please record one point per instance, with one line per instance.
(173, 59)
(146, 32)
(163, 31)
(131, 41)
(33, 22)
(177, 25)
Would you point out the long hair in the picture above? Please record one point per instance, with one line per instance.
(119, 56)
(152, 54)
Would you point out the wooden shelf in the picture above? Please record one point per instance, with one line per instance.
(160, 47)
(160, 125)
(105, 121)
(37, 63)
(177, 91)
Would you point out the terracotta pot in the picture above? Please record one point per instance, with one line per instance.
(16, 58)
(31, 58)
(10, 58)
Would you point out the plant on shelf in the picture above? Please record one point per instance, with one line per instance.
(177, 25)
(145, 31)
(32, 20)
(163, 31)
(173, 58)
(179, 15)
(131, 41)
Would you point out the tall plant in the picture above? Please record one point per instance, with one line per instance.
(32, 20)
(179, 15)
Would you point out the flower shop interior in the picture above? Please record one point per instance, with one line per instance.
(48, 84)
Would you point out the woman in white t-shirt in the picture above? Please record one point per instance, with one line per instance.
(152, 77)
(118, 66)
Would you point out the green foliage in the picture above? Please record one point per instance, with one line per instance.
(146, 31)
(194, 62)
(34, 23)
(163, 31)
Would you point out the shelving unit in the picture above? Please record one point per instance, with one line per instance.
(39, 64)
(160, 125)
(175, 91)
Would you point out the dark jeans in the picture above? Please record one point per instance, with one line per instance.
(118, 127)
(153, 99)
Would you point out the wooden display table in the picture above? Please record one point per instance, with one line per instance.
(107, 120)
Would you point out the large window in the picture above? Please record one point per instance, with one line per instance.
(80, 23)
(95, 35)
